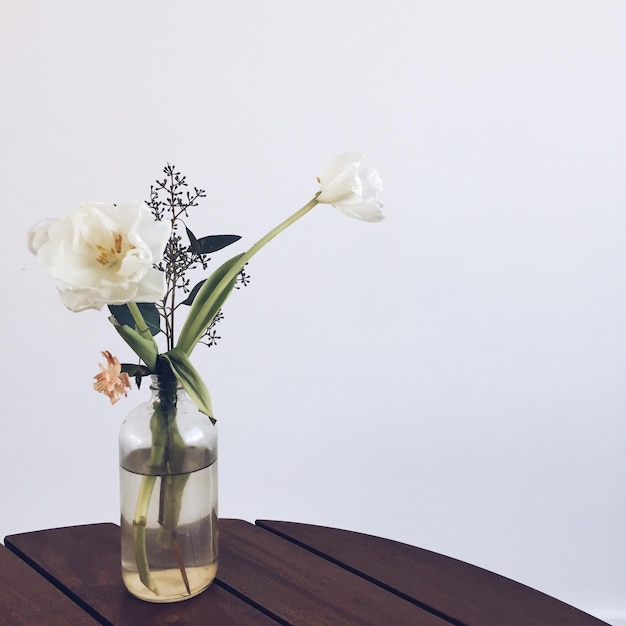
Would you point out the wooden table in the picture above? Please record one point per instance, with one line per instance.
(269, 573)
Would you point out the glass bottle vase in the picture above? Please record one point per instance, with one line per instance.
(168, 496)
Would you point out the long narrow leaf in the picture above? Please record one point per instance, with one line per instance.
(219, 285)
(191, 381)
(207, 303)
(143, 348)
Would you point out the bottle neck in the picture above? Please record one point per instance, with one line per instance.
(162, 383)
(167, 391)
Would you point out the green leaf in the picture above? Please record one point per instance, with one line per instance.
(212, 243)
(132, 369)
(191, 381)
(206, 304)
(148, 310)
(219, 285)
(193, 293)
(145, 349)
(136, 371)
(193, 240)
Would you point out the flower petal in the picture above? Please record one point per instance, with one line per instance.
(38, 234)
(104, 254)
(111, 381)
(339, 182)
(370, 211)
(352, 188)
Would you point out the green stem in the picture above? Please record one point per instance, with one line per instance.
(139, 532)
(140, 322)
(187, 344)
(275, 231)
(166, 458)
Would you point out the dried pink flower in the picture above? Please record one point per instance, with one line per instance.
(111, 381)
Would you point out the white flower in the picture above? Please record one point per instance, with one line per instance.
(38, 234)
(352, 188)
(103, 254)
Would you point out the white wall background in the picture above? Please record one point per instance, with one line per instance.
(454, 377)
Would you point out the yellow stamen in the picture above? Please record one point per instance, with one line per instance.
(108, 257)
(103, 256)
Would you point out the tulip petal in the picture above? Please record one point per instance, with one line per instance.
(38, 235)
(352, 188)
(370, 211)
(103, 254)
(339, 182)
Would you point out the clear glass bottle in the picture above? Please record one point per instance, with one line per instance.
(168, 496)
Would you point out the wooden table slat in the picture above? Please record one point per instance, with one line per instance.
(465, 593)
(302, 589)
(83, 561)
(27, 598)
(272, 572)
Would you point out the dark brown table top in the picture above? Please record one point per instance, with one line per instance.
(269, 573)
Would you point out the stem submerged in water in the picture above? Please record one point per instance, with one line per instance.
(166, 461)
(139, 532)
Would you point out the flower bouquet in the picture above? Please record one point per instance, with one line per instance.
(134, 258)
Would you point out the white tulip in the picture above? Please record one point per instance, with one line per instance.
(38, 234)
(352, 188)
(103, 254)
